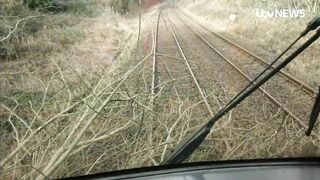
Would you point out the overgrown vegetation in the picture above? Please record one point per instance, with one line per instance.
(36, 32)
(124, 6)
(38, 3)
(44, 93)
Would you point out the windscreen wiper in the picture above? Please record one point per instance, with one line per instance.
(189, 144)
(312, 25)
(314, 114)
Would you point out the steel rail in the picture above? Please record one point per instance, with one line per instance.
(204, 98)
(154, 59)
(263, 62)
(264, 92)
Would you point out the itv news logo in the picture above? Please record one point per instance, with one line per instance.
(280, 13)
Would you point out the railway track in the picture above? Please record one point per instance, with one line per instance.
(299, 113)
(306, 88)
(194, 78)
(169, 62)
(184, 73)
(287, 89)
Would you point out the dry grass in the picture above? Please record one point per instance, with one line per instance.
(267, 37)
(54, 137)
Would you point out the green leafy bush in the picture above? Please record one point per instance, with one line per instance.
(37, 3)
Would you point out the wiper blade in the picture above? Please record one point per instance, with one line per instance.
(312, 25)
(187, 146)
(314, 114)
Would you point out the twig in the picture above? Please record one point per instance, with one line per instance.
(16, 26)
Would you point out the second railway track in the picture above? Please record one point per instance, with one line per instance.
(304, 87)
(280, 90)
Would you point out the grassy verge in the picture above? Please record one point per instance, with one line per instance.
(34, 33)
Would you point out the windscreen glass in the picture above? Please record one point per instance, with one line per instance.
(91, 86)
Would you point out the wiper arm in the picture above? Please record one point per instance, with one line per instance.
(188, 145)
